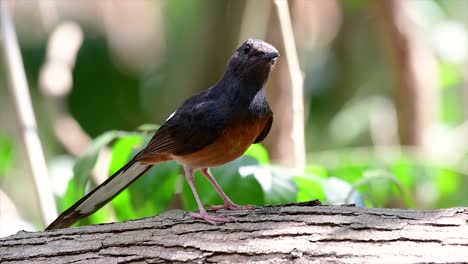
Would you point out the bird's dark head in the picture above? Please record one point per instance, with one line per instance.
(253, 61)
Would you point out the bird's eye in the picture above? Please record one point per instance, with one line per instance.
(247, 49)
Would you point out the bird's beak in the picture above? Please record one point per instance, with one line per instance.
(270, 55)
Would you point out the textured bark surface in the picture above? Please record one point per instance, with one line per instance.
(297, 233)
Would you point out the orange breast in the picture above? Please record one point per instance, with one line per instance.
(232, 143)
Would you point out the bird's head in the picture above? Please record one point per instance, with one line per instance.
(253, 60)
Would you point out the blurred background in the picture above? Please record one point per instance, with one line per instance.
(370, 101)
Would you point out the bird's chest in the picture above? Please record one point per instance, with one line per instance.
(231, 144)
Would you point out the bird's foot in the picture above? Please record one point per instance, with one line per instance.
(229, 205)
(210, 218)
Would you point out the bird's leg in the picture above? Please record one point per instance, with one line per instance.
(228, 203)
(202, 214)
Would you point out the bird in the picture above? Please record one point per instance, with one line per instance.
(207, 130)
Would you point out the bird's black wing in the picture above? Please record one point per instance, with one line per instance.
(265, 131)
(192, 127)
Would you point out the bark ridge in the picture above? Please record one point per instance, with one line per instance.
(297, 233)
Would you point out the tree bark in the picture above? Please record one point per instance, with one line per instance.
(299, 233)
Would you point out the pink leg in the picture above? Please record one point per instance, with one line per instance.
(212, 219)
(228, 203)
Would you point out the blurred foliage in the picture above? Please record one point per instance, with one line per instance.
(6, 154)
(345, 80)
(82, 170)
(251, 179)
(112, 99)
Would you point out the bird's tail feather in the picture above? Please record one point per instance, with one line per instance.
(101, 195)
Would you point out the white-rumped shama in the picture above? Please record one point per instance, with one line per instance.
(209, 129)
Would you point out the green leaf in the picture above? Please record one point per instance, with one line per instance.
(70, 196)
(447, 180)
(152, 193)
(349, 172)
(449, 75)
(122, 205)
(82, 169)
(380, 189)
(339, 191)
(84, 165)
(316, 170)
(6, 154)
(277, 182)
(309, 184)
(122, 149)
(259, 152)
(402, 169)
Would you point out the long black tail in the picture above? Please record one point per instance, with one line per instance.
(101, 195)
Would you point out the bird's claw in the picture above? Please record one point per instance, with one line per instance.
(210, 218)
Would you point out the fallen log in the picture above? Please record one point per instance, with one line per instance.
(299, 233)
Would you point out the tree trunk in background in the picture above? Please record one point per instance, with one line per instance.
(285, 91)
(198, 58)
(414, 69)
(298, 233)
